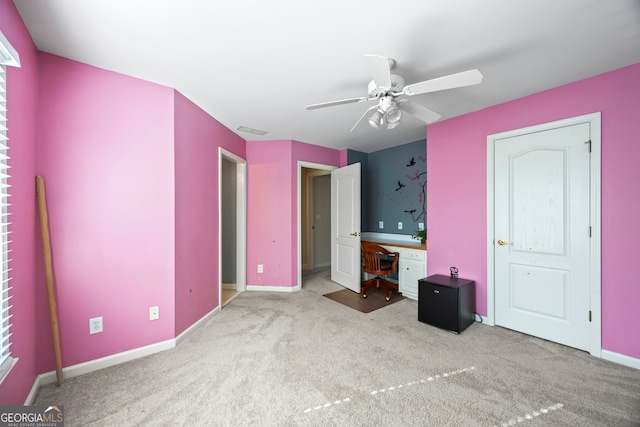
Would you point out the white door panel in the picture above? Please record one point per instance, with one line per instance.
(542, 217)
(345, 226)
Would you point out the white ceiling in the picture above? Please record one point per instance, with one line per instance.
(258, 63)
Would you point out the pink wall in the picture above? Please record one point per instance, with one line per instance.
(105, 148)
(197, 139)
(456, 190)
(22, 102)
(272, 222)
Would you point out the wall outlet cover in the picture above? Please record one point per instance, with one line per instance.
(95, 325)
(154, 313)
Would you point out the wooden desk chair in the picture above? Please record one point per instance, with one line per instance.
(376, 263)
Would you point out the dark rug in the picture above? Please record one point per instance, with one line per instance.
(375, 299)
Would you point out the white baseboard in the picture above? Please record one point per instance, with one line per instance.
(114, 359)
(193, 327)
(105, 362)
(621, 359)
(273, 288)
(34, 389)
(482, 319)
(629, 361)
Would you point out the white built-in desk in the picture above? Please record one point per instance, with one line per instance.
(412, 264)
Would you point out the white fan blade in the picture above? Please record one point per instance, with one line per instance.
(419, 111)
(363, 118)
(342, 101)
(380, 70)
(465, 78)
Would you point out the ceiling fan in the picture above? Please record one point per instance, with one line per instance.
(386, 88)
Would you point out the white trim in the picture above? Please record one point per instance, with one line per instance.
(107, 361)
(8, 55)
(631, 362)
(10, 363)
(595, 249)
(114, 359)
(193, 327)
(490, 231)
(34, 390)
(595, 285)
(267, 288)
(241, 220)
(301, 165)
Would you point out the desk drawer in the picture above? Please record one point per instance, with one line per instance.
(410, 254)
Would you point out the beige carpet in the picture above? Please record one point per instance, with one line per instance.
(300, 359)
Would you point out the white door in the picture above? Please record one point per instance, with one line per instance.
(542, 234)
(345, 226)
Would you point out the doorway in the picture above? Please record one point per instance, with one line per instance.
(543, 227)
(232, 225)
(315, 218)
(314, 198)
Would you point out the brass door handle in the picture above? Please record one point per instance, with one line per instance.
(502, 242)
(355, 233)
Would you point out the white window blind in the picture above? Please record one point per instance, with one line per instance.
(6, 361)
(8, 56)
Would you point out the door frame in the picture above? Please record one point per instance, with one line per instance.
(308, 165)
(241, 220)
(595, 283)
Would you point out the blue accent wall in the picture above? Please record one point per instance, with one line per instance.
(393, 187)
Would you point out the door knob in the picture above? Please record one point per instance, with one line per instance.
(355, 233)
(502, 242)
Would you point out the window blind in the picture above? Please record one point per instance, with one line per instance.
(6, 360)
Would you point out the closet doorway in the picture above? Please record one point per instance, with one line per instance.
(314, 217)
(232, 225)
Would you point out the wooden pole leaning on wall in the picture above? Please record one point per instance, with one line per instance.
(46, 246)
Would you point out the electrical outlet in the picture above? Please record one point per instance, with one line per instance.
(154, 313)
(400, 225)
(260, 268)
(95, 325)
(380, 224)
(421, 226)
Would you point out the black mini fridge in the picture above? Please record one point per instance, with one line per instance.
(446, 302)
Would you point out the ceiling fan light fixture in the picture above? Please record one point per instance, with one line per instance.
(393, 125)
(393, 116)
(376, 119)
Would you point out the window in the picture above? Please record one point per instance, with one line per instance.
(8, 56)
(5, 317)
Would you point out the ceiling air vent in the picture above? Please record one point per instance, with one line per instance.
(251, 130)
